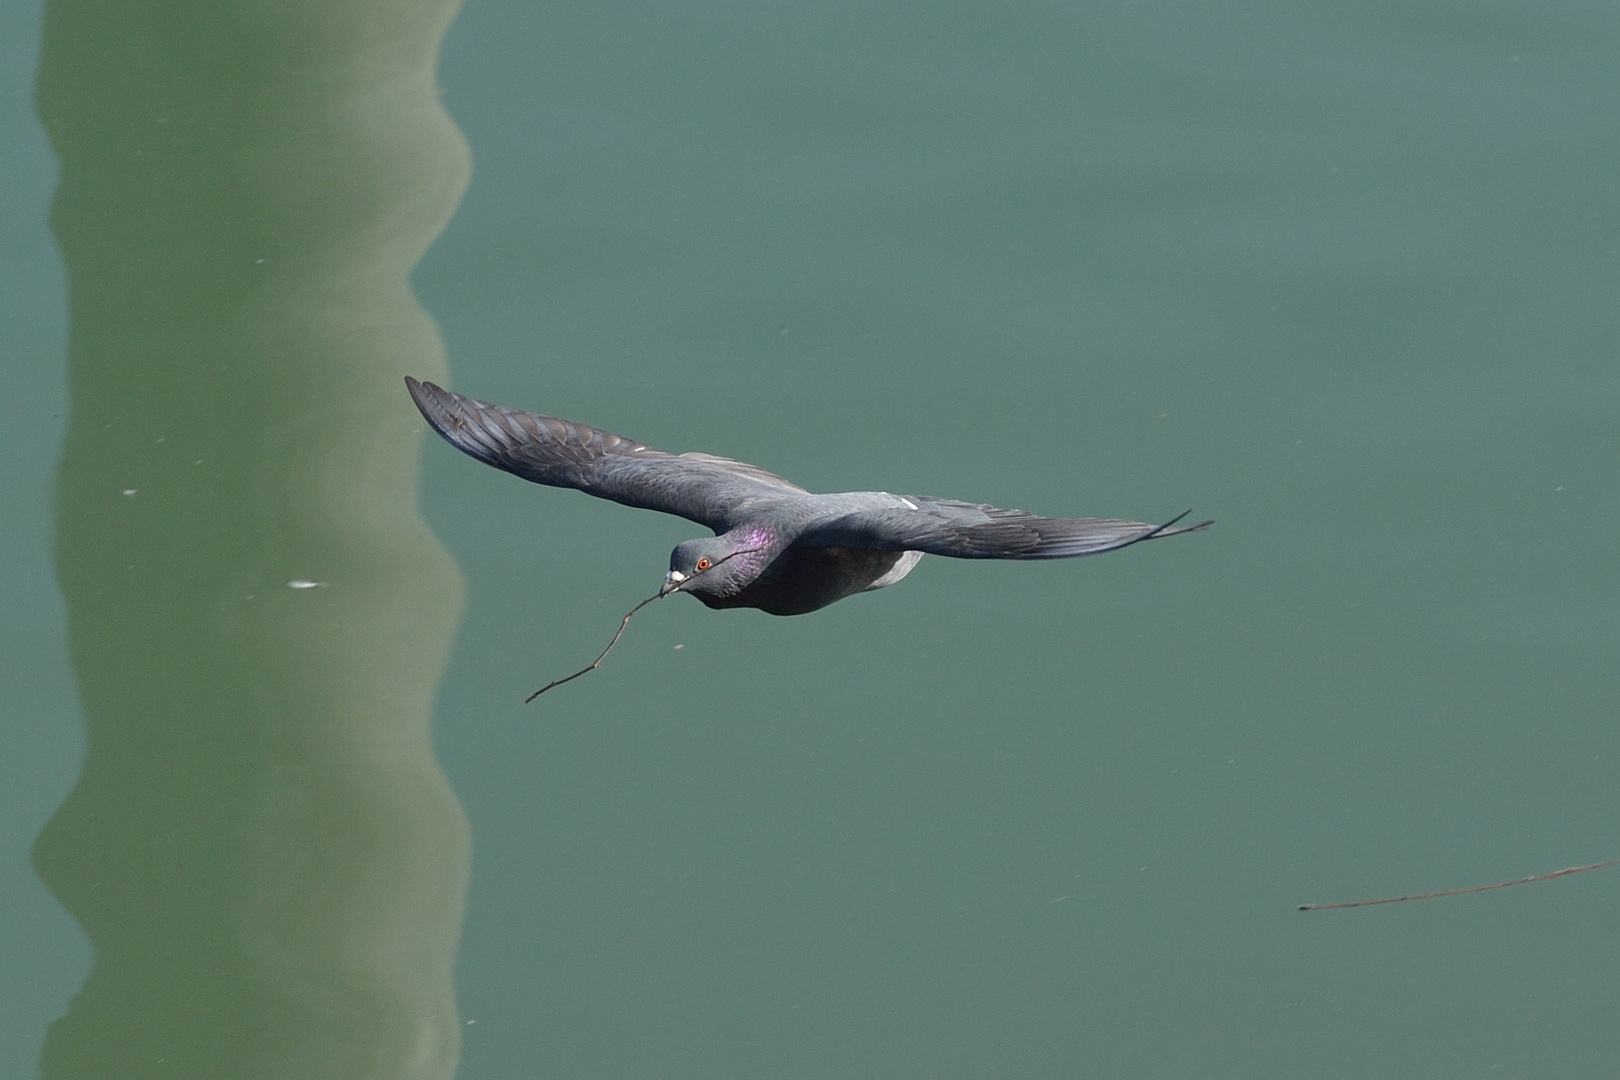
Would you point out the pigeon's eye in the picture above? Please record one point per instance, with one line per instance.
(704, 563)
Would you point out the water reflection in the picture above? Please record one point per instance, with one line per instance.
(261, 848)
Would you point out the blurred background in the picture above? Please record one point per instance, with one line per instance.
(1342, 279)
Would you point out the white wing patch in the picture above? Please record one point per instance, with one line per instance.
(903, 566)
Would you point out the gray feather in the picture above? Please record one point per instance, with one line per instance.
(964, 530)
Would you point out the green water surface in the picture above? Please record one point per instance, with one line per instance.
(1345, 278)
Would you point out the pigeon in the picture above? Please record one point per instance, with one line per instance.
(776, 546)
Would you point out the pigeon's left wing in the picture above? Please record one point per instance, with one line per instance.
(562, 453)
(964, 530)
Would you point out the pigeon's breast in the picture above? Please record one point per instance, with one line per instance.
(802, 580)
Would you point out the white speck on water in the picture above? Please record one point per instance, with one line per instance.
(302, 583)
(130, 491)
(680, 646)
(1560, 487)
(470, 1022)
(256, 262)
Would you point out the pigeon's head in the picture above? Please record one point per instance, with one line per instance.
(712, 566)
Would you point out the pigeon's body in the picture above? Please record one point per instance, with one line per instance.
(777, 547)
(803, 577)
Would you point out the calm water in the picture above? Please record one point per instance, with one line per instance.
(1344, 280)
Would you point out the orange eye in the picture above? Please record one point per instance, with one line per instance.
(704, 563)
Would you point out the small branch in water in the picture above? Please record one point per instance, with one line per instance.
(1459, 892)
(624, 622)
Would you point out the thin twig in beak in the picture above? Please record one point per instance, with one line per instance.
(672, 584)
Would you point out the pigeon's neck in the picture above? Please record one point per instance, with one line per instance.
(753, 548)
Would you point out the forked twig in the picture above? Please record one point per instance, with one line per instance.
(1459, 892)
(624, 622)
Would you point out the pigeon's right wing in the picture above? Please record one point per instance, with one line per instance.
(546, 450)
(974, 531)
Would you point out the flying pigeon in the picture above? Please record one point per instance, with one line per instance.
(777, 547)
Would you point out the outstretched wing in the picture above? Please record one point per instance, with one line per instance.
(546, 450)
(964, 530)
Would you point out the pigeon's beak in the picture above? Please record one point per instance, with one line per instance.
(672, 581)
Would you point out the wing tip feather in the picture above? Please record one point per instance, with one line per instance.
(1169, 529)
(433, 402)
